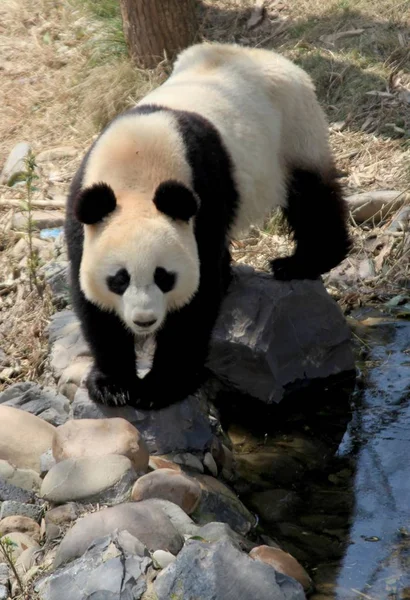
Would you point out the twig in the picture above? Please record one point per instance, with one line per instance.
(37, 203)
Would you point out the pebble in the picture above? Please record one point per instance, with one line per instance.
(11, 507)
(42, 219)
(100, 437)
(190, 461)
(15, 164)
(22, 525)
(168, 484)
(56, 519)
(45, 403)
(163, 558)
(27, 479)
(20, 542)
(105, 479)
(220, 571)
(143, 520)
(47, 461)
(73, 375)
(23, 437)
(159, 462)
(283, 562)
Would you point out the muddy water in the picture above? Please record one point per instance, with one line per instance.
(328, 474)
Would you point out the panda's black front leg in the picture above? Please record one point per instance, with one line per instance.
(316, 214)
(113, 378)
(178, 368)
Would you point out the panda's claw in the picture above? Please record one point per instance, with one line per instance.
(108, 390)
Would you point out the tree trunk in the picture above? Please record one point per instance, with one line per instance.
(155, 29)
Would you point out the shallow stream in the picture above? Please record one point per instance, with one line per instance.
(330, 477)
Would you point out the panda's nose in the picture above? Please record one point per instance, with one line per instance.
(144, 323)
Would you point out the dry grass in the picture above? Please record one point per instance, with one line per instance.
(65, 73)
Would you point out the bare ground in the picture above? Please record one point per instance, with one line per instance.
(64, 73)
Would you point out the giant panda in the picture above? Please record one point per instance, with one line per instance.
(231, 134)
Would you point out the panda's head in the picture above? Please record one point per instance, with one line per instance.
(140, 257)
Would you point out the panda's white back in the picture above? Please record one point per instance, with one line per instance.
(266, 111)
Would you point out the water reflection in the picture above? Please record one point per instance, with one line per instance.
(328, 472)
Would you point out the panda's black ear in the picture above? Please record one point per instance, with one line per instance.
(175, 200)
(94, 203)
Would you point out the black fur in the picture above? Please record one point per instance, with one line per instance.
(182, 343)
(175, 200)
(316, 214)
(93, 204)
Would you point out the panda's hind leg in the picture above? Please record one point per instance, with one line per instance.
(317, 216)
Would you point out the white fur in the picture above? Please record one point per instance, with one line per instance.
(266, 111)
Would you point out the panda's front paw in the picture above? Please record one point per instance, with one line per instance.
(292, 267)
(109, 390)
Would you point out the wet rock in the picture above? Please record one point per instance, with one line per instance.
(42, 219)
(22, 525)
(15, 164)
(212, 532)
(331, 501)
(182, 426)
(210, 464)
(144, 520)
(167, 484)
(105, 479)
(272, 336)
(260, 468)
(45, 403)
(20, 542)
(219, 503)
(162, 558)
(100, 437)
(23, 437)
(283, 562)
(274, 506)
(319, 546)
(27, 479)
(190, 461)
(11, 507)
(112, 567)
(219, 571)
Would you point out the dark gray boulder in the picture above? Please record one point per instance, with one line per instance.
(272, 335)
(220, 571)
(45, 403)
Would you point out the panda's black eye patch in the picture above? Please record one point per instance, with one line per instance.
(119, 282)
(164, 279)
